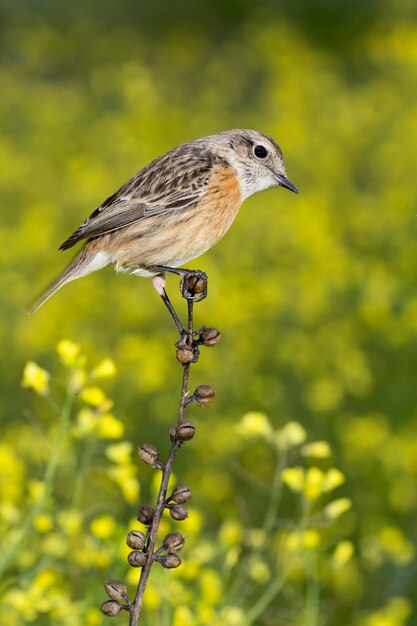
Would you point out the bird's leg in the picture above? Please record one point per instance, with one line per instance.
(158, 282)
(193, 282)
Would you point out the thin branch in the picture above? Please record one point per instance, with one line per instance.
(145, 552)
(166, 474)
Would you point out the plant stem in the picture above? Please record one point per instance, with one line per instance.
(276, 492)
(162, 495)
(313, 593)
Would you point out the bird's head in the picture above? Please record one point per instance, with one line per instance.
(257, 159)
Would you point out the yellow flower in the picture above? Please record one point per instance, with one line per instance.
(70, 522)
(259, 571)
(396, 546)
(335, 509)
(292, 434)
(232, 616)
(43, 523)
(36, 490)
(55, 545)
(310, 539)
(35, 378)
(395, 613)
(86, 423)
(68, 351)
(211, 586)
(232, 557)
(183, 616)
(120, 452)
(44, 580)
(342, 554)
(109, 427)
(205, 613)
(254, 425)
(125, 477)
(105, 369)
(313, 486)
(316, 450)
(103, 526)
(333, 479)
(297, 539)
(294, 477)
(78, 379)
(92, 617)
(231, 533)
(93, 395)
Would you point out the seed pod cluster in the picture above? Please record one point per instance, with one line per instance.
(170, 560)
(184, 431)
(145, 515)
(173, 542)
(181, 494)
(178, 512)
(137, 559)
(149, 454)
(185, 354)
(197, 284)
(203, 394)
(111, 608)
(115, 589)
(209, 337)
(136, 539)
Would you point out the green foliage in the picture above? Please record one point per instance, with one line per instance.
(315, 297)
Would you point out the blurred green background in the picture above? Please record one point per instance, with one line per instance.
(315, 295)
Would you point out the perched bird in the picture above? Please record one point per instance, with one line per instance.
(175, 208)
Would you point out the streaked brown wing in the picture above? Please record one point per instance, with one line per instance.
(173, 182)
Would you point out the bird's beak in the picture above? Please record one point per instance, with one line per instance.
(285, 183)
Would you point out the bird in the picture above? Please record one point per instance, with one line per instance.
(175, 208)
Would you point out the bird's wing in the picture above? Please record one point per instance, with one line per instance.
(173, 182)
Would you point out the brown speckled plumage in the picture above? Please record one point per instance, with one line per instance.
(176, 207)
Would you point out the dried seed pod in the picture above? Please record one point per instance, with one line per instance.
(111, 608)
(136, 539)
(185, 354)
(204, 394)
(137, 559)
(146, 513)
(173, 542)
(178, 512)
(196, 284)
(209, 337)
(181, 494)
(115, 589)
(170, 561)
(148, 454)
(185, 431)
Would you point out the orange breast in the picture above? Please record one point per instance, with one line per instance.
(171, 239)
(219, 206)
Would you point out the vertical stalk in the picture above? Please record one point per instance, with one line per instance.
(162, 494)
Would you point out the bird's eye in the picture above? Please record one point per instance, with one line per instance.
(260, 152)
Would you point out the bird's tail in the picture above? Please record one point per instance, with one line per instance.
(87, 260)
